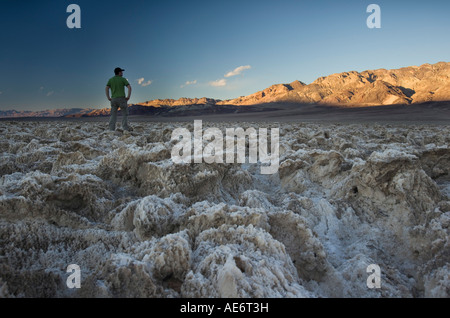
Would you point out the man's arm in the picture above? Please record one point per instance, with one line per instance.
(129, 91)
(107, 93)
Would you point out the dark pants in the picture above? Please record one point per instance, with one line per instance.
(116, 103)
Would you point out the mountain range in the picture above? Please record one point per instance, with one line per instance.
(404, 86)
(369, 88)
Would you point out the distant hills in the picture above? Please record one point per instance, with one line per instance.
(404, 86)
(45, 113)
(369, 88)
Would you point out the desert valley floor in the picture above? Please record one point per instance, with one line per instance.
(346, 196)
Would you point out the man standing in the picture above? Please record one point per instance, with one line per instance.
(118, 100)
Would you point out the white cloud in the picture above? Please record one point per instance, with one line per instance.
(238, 70)
(50, 93)
(219, 83)
(1, 93)
(189, 83)
(141, 81)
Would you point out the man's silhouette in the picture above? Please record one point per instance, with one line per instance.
(118, 100)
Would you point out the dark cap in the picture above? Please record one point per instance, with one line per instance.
(117, 70)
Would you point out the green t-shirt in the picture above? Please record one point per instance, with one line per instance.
(117, 85)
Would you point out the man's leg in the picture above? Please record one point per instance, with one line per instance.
(124, 109)
(113, 119)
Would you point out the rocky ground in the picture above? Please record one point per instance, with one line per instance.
(345, 196)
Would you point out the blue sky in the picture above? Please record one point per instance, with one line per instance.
(185, 48)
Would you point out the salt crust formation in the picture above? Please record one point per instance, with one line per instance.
(346, 196)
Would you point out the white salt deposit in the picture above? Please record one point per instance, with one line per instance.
(345, 197)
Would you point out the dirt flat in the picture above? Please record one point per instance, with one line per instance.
(431, 113)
